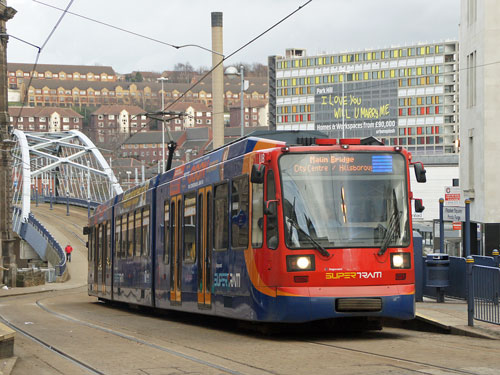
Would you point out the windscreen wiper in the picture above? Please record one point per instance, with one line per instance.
(316, 244)
(391, 228)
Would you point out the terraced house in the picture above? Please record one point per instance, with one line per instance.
(19, 72)
(113, 123)
(45, 119)
(69, 92)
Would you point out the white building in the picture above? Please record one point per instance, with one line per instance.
(479, 116)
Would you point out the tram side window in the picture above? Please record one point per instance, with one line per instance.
(190, 227)
(108, 239)
(272, 218)
(239, 212)
(118, 234)
(130, 232)
(104, 240)
(124, 247)
(145, 231)
(138, 233)
(91, 243)
(220, 217)
(166, 231)
(257, 214)
(97, 243)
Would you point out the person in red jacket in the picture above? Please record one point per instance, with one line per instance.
(68, 249)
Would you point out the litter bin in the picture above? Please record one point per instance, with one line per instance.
(438, 273)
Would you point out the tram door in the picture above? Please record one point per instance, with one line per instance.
(176, 249)
(106, 263)
(97, 250)
(105, 236)
(204, 235)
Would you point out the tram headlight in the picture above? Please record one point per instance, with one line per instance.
(401, 260)
(296, 263)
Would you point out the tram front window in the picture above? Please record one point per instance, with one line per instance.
(339, 200)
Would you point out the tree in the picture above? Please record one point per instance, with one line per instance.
(138, 77)
(183, 72)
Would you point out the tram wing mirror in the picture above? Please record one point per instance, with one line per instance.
(270, 208)
(419, 207)
(86, 231)
(258, 172)
(420, 172)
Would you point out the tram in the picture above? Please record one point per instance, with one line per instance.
(261, 230)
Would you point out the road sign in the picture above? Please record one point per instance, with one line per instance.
(454, 213)
(453, 197)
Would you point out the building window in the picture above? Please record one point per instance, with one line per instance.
(471, 79)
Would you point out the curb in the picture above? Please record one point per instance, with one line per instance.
(7, 365)
(457, 330)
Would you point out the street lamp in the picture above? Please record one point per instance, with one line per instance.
(231, 71)
(162, 80)
(128, 178)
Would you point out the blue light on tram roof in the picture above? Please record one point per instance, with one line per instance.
(382, 163)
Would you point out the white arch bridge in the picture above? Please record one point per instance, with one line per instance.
(64, 167)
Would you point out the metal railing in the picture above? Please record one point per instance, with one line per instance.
(22, 229)
(485, 293)
(52, 242)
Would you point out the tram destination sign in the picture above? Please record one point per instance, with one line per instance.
(341, 164)
(362, 109)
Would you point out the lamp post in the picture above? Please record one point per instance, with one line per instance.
(128, 178)
(88, 189)
(232, 71)
(162, 80)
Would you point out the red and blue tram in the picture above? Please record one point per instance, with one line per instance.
(260, 230)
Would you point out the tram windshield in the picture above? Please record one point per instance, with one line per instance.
(338, 200)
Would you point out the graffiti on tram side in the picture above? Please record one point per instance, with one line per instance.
(227, 279)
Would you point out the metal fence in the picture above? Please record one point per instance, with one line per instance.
(486, 290)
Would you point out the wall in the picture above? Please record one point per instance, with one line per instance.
(479, 133)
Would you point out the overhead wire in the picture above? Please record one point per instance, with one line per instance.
(129, 31)
(38, 57)
(236, 51)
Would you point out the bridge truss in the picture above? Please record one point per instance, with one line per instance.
(65, 164)
(60, 167)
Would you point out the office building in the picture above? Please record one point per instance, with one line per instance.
(405, 96)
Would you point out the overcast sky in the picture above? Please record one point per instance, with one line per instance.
(321, 26)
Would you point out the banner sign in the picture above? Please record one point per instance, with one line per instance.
(365, 108)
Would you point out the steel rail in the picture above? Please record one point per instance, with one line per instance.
(52, 348)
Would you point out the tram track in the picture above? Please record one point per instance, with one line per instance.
(402, 361)
(93, 370)
(398, 359)
(399, 364)
(52, 348)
